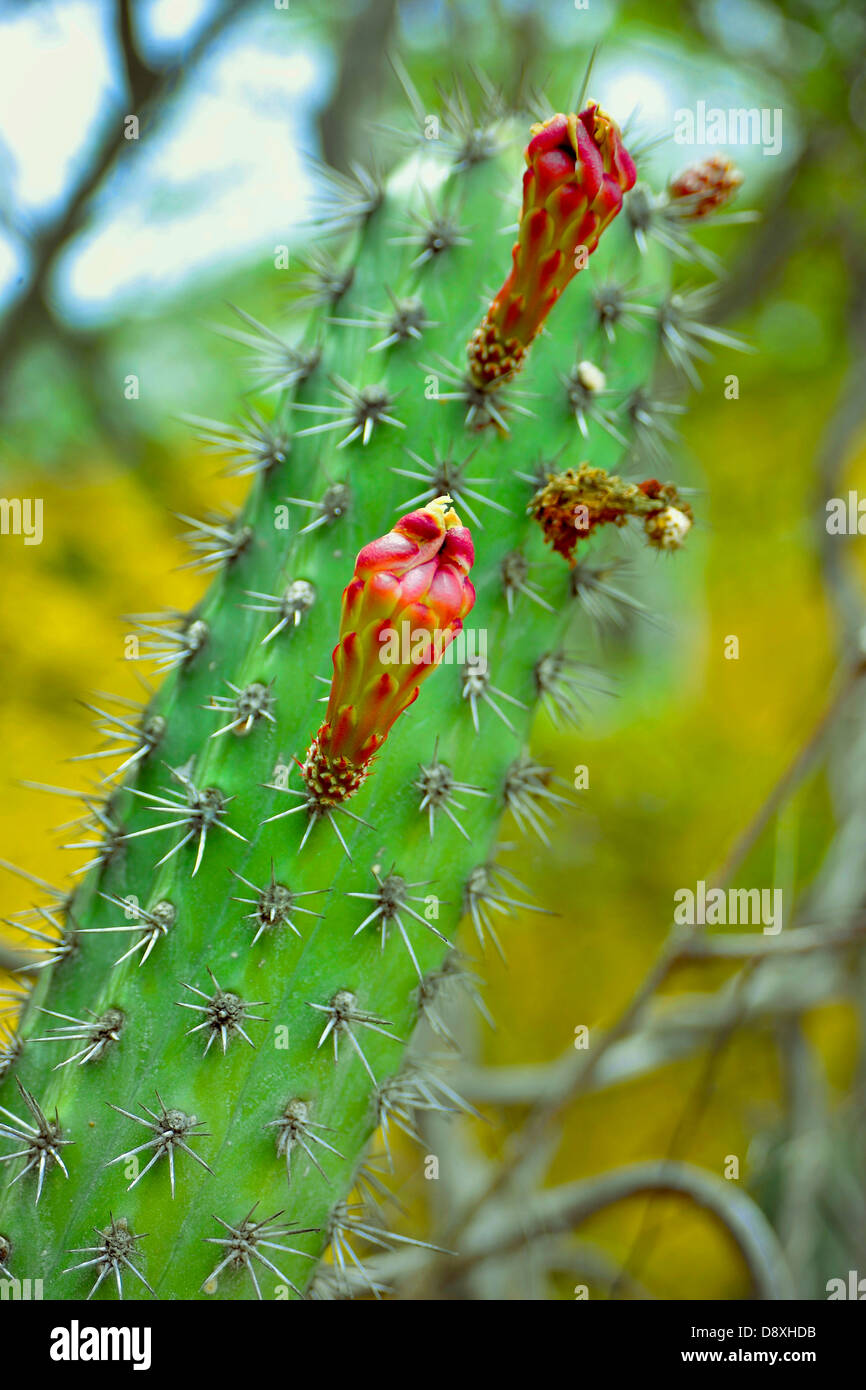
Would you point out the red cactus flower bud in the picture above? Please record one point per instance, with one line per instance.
(702, 188)
(578, 170)
(402, 609)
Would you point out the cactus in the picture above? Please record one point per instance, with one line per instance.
(221, 1012)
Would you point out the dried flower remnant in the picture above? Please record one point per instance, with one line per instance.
(703, 188)
(573, 504)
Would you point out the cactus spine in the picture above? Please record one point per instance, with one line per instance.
(225, 1129)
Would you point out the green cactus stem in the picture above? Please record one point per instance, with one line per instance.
(221, 1010)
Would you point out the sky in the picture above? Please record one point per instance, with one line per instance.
(223, 178)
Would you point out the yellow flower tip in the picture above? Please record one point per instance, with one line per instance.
(442, 508)
(603, 125)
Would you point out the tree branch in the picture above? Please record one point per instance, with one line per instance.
(562, 1209)
(32, 311)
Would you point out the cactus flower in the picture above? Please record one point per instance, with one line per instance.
(577, 172)
(402, 609)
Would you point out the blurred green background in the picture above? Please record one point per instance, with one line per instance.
(120, 259)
